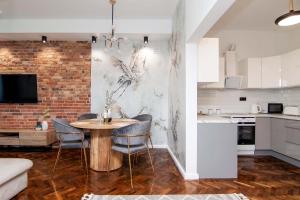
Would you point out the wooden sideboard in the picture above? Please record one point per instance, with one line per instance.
(26, 137)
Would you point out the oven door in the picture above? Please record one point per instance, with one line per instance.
(246, 134)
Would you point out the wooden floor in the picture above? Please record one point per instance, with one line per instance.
(260, 178)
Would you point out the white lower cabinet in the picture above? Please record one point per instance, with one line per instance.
(285, 136)
(263, 134)
(278, 135)
(293, 139)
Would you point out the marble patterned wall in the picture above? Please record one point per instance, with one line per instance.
(133, 80)
(176, 136)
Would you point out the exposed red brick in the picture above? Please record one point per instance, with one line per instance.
(64, 77)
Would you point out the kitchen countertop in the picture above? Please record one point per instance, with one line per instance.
(225, 117)
(215, 119)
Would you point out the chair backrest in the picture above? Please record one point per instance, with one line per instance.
(87, 116)
(138, 134)
(66, 132)
(144, 117)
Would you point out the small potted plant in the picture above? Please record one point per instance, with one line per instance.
(45, 117)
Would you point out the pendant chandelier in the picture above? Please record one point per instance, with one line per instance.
(291, 18)
(111, 39)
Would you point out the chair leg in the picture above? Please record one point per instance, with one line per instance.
(81, 156)
(56, 161)
(130, 170)
(151, 141)
(85, 159)
(150, 158)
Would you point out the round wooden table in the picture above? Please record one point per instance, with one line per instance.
(101, 142)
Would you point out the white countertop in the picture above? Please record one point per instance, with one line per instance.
(280, 116)
(225, 117)
(214, 119)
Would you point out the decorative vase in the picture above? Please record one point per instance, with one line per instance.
(44, 125)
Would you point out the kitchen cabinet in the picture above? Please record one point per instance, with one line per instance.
(271, 72)
(251, 70)
(217, 150)
(291, 68)
(220, 83)
(293, 139)
(278, 136)
(263, 134)
(208, 62)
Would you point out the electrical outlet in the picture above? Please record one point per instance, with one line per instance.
(243, 98)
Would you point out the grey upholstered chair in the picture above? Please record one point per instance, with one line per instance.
(131, 140)
(145, 117)
(87, 116)
(69, 136)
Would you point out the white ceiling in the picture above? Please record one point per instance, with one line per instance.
(254, 15)
(85, 9)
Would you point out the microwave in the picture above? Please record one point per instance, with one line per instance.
(275, 108)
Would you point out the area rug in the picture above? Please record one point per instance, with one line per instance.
(166, 197)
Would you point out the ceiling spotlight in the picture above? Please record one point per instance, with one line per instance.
(94, 39)
(44, 39)
(146, 40)
(289, 19)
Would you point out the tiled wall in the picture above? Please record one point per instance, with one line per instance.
(63, 71)
(228, 100)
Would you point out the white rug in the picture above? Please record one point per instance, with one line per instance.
(166, 197)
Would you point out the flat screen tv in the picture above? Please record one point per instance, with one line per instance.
(18, 88)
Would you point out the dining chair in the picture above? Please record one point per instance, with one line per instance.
(69, 136)
(87, 116)
(145, 117)
(131, 140)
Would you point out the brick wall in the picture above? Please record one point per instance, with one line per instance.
(64, 77)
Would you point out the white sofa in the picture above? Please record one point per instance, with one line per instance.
(13, 176)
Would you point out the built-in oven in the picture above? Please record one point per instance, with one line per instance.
(246, 134)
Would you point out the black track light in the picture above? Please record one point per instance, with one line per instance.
(44, 39)
(94, 39)
(146, 40)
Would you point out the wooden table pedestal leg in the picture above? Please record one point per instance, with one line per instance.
(100, 146)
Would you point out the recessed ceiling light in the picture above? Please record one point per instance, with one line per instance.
(291, 18)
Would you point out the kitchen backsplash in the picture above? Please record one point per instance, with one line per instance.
(229, 100)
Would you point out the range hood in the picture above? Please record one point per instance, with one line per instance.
(232, 80)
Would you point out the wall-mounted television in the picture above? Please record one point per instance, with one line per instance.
(18, 88)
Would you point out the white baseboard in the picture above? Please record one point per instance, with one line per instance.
(160, 146)
(186, 176)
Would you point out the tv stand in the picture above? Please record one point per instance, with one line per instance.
(26, 137)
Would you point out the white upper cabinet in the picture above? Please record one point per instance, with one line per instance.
(221, 83)
(208, 65)
(271, 72)
(291, 69)
(251, 70)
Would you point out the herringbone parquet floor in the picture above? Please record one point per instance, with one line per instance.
(260, 178)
